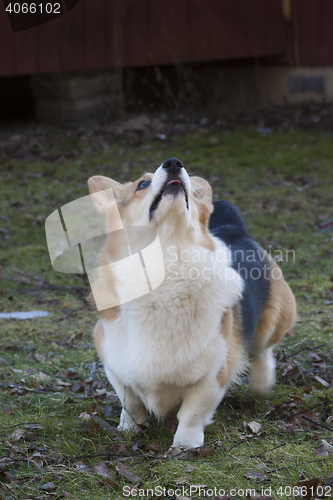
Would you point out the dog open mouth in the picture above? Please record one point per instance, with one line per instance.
(174, 187)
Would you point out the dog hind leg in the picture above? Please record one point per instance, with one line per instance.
(278, 317)
(263, 371)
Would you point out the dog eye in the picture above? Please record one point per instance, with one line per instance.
(143, 184)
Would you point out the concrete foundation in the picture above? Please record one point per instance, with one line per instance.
(243, 86)
(74, 97)
(280, 84)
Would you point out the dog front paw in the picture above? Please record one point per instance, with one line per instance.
(188, 437)
(127, 424)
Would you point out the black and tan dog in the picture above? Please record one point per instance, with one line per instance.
(223, 301)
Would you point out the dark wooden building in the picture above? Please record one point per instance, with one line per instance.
(99, 34)
(107, 34)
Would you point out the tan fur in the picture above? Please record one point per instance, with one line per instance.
(106, 287)
(110, 314)
(98, 338)
(206, 240)
(279, 314)
(202, 192)
(231, 331)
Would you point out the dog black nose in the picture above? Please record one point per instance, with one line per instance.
(173, 165)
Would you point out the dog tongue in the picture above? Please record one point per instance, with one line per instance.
(175, 181)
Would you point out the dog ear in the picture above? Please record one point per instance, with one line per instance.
(202, 192)
(103, 191)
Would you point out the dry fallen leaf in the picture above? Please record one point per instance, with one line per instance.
(81, 465)
(205, 450)
(37, 463)
(324, 450)
(104, 425)
(309, 487)
(71, 374)
(14, 447)
(39, 357)
(48, 487)
(313, 357)
(33, 426)
(103, 470)
(76, 387)
(120, 448)
(321, 381)
(60, 382)
(329, 481)
(91, 408)
(299, 412)
(17, 435)
(183, 480)
(176, 451)
(12, 478)
(253, 474)
(41, 377)
(100, 392)
(253, 427)
(155, 448)
(293, 373)
(85, 417)
(22, 279)
(125, 471)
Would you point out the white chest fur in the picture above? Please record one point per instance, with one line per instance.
(171, 336)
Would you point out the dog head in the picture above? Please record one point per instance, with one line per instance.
(176, 205)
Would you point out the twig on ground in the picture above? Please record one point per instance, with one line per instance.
(308, 409)
(305, 349)
(301, 463)
(323, 426)
(21, 423)
(271, 449)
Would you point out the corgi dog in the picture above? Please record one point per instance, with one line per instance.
(222, 302)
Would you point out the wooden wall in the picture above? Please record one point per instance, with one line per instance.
(100, 34)
(312, 33)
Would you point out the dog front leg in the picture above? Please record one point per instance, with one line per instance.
(197, 410)
(133, 412)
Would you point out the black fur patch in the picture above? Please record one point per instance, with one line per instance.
(249, 260)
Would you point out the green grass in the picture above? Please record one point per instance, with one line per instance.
(283, 186)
